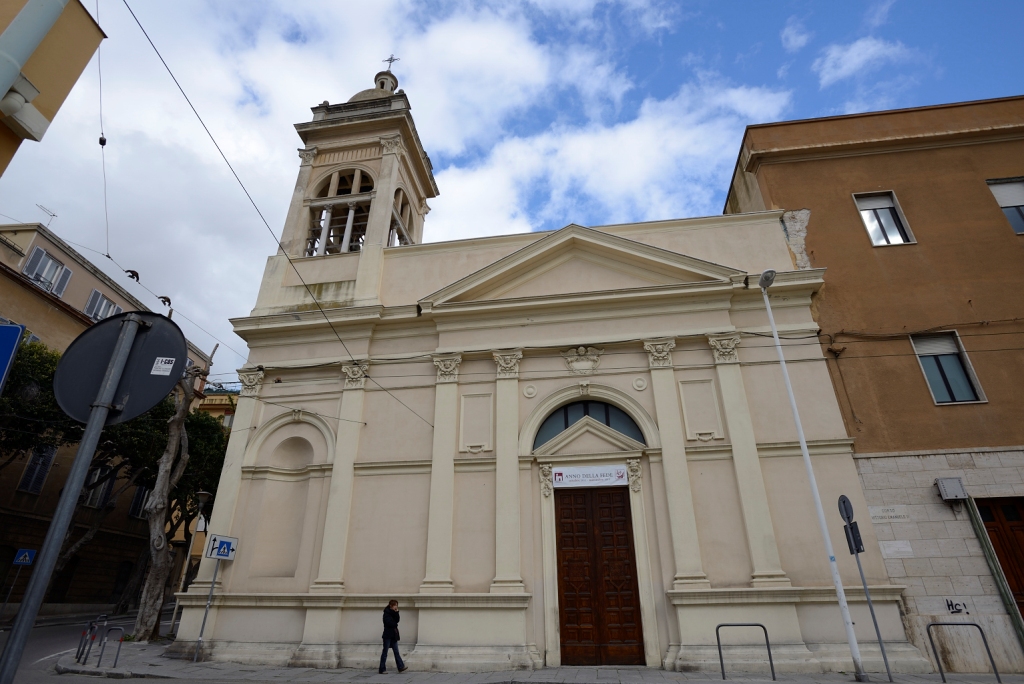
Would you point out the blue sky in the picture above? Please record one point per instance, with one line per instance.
(535, 114)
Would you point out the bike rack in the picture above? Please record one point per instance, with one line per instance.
(928, 629)
(89, 626)
(771, 664)
(103, 646)
(91, 637)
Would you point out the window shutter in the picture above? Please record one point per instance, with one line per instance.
(875, 201)
(33, 261)
(62, 282)
(116, 311)
(37, 470)
(94, 300)
(935, 344)
(1008, 194)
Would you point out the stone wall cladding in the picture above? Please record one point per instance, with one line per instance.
(931, 547)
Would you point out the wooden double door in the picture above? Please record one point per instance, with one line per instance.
(1004, 521)
(598, 601)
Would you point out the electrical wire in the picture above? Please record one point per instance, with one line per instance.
(260, 213)
(103, 137)
(177, 311)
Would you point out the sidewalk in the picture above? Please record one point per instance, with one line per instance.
(146, 660)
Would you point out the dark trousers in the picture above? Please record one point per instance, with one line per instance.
(393, 645)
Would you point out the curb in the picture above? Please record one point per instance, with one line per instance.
(111, 672)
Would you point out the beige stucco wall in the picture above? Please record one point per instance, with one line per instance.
(410, 482)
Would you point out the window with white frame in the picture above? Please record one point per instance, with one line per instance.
(38, 468)
(43, 269)
(138, 507)
(883, 219)
(1010, 197)
(97, 496)
(945, 368)
(99, 307)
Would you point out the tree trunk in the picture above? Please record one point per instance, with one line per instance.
(170, 469)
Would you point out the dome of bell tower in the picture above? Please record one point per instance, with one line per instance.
(385, 83)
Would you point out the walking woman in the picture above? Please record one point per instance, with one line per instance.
(390, 637)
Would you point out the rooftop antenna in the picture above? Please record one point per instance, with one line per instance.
(391, 60)
(48, 213)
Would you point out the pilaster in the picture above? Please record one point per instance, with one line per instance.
(689, 572)
(438, 579)
(371, 257)
(507, 577)
(296, 224)
(757, 519)
(228, 489)
(320, 635)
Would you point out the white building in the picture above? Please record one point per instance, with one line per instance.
(413, 432)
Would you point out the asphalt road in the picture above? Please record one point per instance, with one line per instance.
(47, 643)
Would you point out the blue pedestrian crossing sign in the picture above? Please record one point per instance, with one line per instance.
(220, 547)
(24, 556)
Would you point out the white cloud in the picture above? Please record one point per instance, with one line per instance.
(671, 160)
(839, 62)
(793, 36)
(878, 13)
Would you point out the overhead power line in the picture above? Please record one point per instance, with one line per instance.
(260, 213)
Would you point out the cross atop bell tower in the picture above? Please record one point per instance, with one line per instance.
(363, 185)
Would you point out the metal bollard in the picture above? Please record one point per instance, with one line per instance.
(718, 636)
(83, 639)
(88, 650)
(103, 646)
(928, 629)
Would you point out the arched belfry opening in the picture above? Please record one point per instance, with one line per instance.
(340, 227)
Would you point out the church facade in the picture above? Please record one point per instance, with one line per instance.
(556, 448)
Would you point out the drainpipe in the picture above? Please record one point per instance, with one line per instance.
(20, 40)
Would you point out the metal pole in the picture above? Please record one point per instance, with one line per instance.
(858, 666)
(209, 600)
(871, 607)
(6, 600)
(37, 584)
(188, 561)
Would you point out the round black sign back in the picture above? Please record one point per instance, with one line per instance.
(846, 509)
(154, 366)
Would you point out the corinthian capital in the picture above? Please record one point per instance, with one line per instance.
(508, 363)
(392, 145)
(448, 367)
(659, 352)
(251, 379)
(724, 348)
(307, 155)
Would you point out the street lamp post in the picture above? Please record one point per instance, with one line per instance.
(203, 497)
(767, 278)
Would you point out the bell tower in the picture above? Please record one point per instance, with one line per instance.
(363, 185)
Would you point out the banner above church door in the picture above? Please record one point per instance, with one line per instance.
(590, 476)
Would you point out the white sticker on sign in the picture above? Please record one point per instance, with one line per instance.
(162, 366)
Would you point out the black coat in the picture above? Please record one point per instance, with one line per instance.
(391, 618)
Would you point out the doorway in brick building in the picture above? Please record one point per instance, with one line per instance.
(599, 599)
(1004, 521)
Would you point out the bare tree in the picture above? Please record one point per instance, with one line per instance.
(170, 469)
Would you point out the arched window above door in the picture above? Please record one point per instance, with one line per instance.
(565, 416)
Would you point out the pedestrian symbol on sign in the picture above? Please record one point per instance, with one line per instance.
(221, 548)
(24, 557)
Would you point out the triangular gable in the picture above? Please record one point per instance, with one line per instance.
(588, 436)
(617, 262)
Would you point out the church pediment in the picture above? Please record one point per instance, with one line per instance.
(580, 260)
(588, 436)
